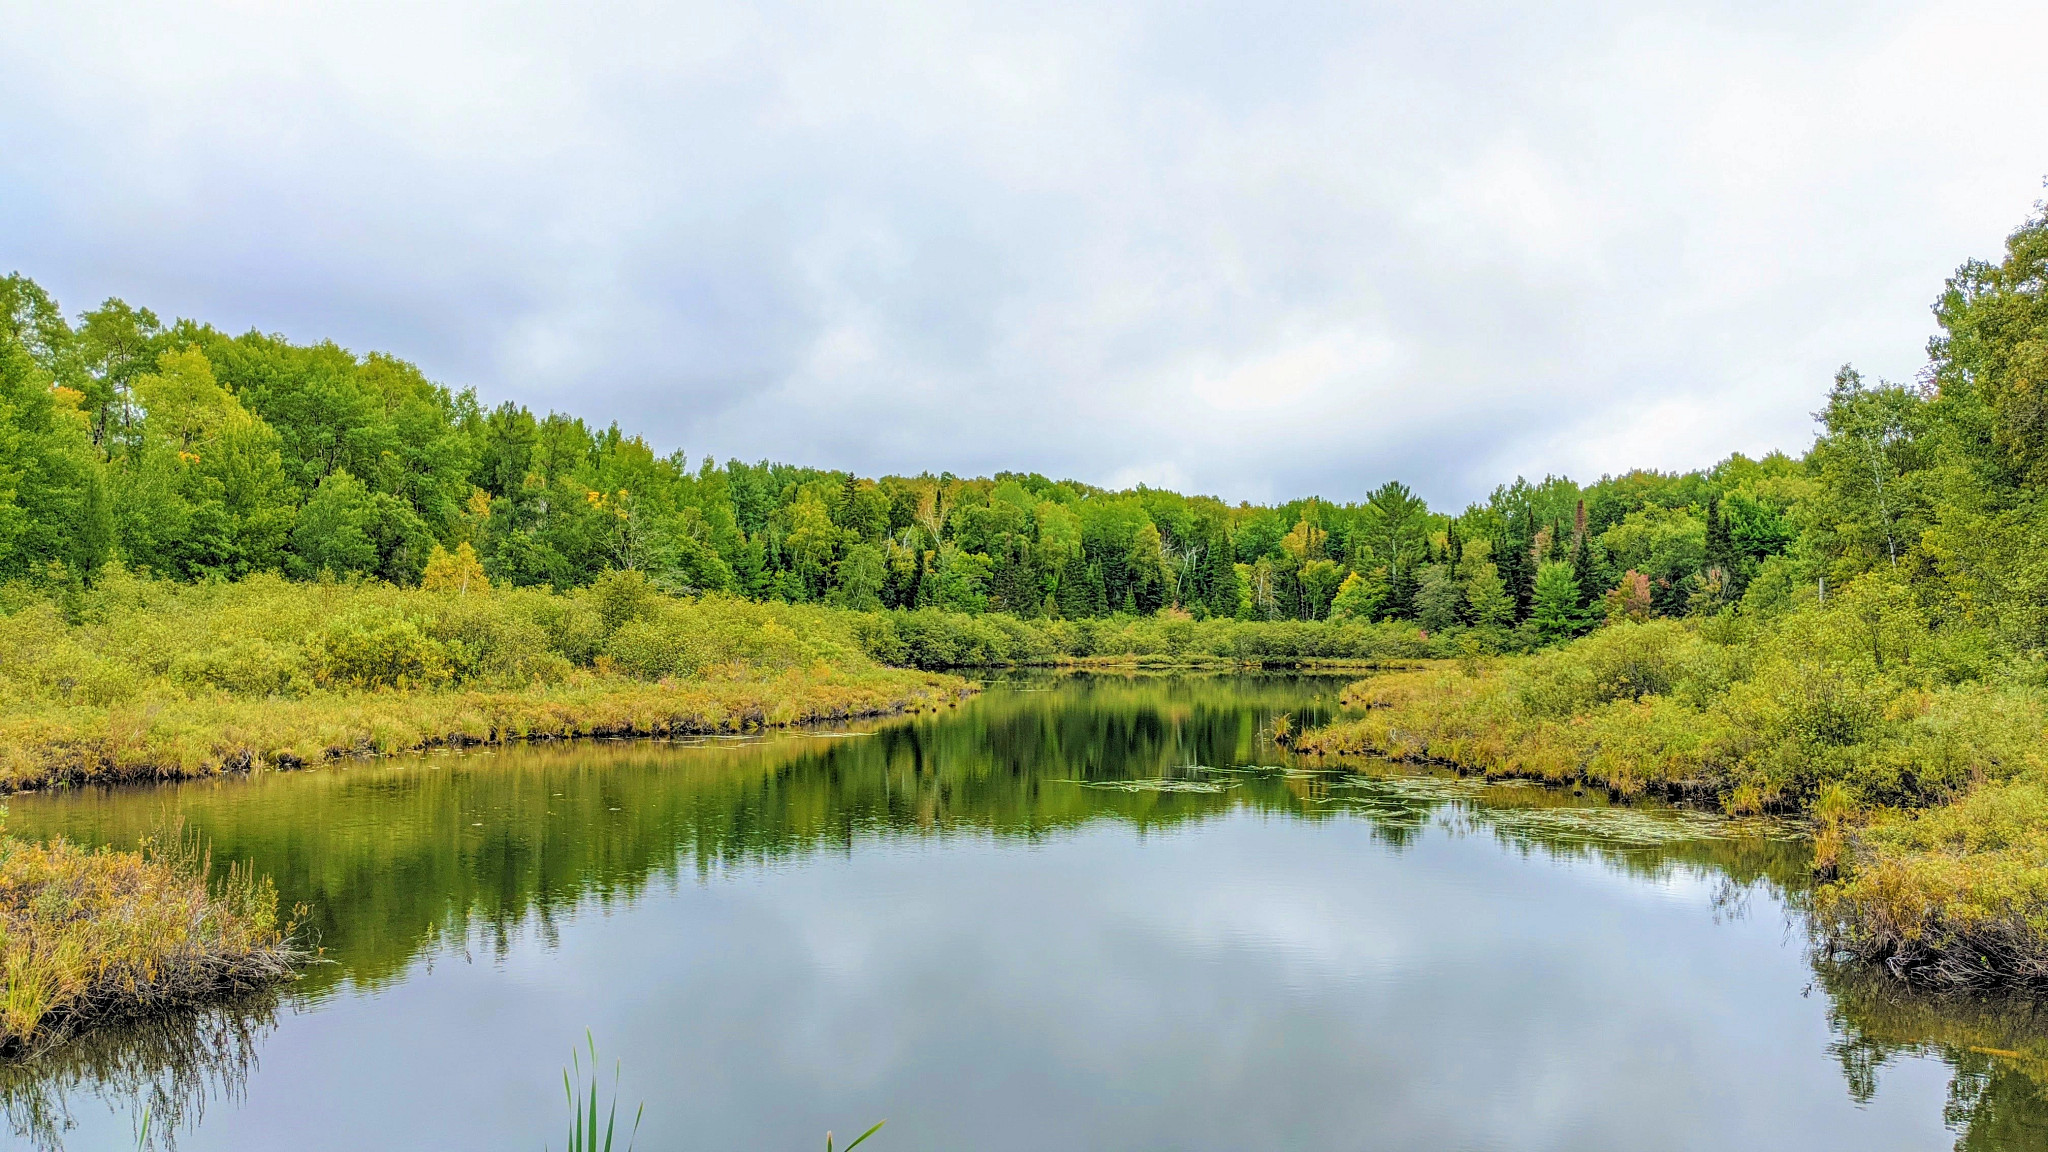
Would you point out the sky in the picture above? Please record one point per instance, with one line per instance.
(1252, 250)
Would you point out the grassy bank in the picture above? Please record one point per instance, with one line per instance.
(93, 935)
(139, 679)
(929, 638)
(1920, 763)
(135, 678)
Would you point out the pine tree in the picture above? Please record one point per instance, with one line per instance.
(1072, 594)
(1517, 574)
(1720, 544)
(1220, 573)
(1586, 576)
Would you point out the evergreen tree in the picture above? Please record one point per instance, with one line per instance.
(1401, 592)
(1517, 573)
(1074, 596)
(1219, 573)
(1720, 550)
(1587, 576)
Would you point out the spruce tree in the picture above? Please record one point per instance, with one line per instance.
(1401, 595)
(1720, 544)
(1586, 576)
(1098, 591)
(1517, 573)
(1073, 595)
(1220, 573)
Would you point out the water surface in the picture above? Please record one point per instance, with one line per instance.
(1091, 912)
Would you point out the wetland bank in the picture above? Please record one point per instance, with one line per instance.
(1097, 910)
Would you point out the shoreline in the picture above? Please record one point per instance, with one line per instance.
(1945, 894)
(236, 737)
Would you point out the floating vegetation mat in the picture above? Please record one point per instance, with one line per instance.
(1265, 770)
(1521, 809)
(1157, 785)
(1486, 803)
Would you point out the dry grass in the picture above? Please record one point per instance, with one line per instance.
(93, 935)
(178, 736)
(143, 679)
(1928, 795)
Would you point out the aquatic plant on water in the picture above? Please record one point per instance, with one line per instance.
(584, 1106)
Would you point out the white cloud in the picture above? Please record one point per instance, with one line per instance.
(1251, 250)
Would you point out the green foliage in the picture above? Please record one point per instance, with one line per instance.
(585, 1109)
(219, 456)
(1778, 629)
(858, 1140)
(53, 505)
(89, 935)
(1360, 597)
(1554, 612)
(201, 488)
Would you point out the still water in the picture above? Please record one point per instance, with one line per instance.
(1086, 912)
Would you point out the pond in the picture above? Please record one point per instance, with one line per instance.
(1076, 912)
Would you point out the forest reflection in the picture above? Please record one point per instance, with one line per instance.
(400, 862)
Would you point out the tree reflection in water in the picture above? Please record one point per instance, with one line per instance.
(172, 1064)
(477, 850)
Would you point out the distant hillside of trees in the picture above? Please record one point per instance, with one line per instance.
(196, 455)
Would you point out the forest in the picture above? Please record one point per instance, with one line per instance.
(181, 451)
(221, 551)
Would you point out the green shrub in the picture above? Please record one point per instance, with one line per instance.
(251, 666)
(379, 651)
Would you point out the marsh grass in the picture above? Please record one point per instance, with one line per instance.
(1923, 783)
(585, 1107)
(594, 1120)
(144, 679)
(136, 678)
(89, 936)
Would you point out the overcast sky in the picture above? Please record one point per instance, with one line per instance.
(1258, 250)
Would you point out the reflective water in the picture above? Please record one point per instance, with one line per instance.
(1099, 912)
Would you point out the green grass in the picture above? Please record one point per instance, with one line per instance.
(594, 1120)
(144, 679)
(137, 678)
(585, 1107)
(1921, 766)
(88, 936)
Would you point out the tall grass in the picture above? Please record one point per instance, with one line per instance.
(1921, 763)
(858, 1140)
(585, 1107)
(93, 935)
(139, 678)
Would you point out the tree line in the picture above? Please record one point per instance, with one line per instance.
(196, 455)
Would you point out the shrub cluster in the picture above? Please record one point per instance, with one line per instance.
(929, 638)
(144, 677)
(1919, 759)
